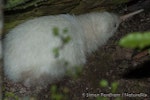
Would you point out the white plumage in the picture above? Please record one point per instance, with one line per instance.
(28, 48)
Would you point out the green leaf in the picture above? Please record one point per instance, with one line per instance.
(55, 31)
(53, 88)
(75, 73)
(65, 30)
(57, 96)
(136, 40)
(56, 52)
(114, 87)
(66, 39)
(11, 95)
(103, 83)
(102, 98)
(118, 98)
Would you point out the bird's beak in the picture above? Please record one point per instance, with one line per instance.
(124, 17)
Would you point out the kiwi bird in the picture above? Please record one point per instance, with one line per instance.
(28, 48)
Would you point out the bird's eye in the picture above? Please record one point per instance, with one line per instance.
(115, 25)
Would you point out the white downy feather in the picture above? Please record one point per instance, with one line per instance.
(28, 48)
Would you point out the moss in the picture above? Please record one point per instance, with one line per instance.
(13, 3)
(8, 26)
(23, 4)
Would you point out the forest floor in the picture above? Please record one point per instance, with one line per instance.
(130, 68)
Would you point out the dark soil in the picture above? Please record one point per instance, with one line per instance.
(110, 62)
